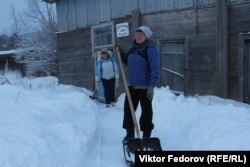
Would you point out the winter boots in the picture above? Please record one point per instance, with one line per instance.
(130, 134)
(146, 133)
(112, 104)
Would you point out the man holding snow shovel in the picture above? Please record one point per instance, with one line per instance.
(142, 74)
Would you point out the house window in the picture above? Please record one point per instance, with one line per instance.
(102, 36)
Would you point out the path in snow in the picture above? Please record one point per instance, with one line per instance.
(106, 148)
(107, 145)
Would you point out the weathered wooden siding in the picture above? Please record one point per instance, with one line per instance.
(172, 62)
(206, 21)
(199, 26)
(171, 24)
(93, 12)
(221, 48)
(9, 60)
(205, 3)
(196, 24)
(238, 22)
(73, 14)
(75, 58)
(124, 43)
(244, 67)
(105, 10)
(61, 12)
(175, 25)
(71, 17)
(81, 9)
(122, 8)
(201, 66)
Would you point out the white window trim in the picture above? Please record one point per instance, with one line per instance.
(93, 39)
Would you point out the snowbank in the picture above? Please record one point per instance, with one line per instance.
(43, 123)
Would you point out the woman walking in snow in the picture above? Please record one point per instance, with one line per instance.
(107, 72)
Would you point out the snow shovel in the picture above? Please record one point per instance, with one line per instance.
(135, 144)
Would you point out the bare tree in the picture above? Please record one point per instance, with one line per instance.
(14, 18)
(36, 47)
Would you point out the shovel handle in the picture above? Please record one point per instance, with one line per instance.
(128, 93)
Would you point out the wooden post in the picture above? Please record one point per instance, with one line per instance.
(221, 48)
(241, 67)
(135, 20)
(244, 66)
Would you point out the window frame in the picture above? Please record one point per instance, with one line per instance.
(93, 36)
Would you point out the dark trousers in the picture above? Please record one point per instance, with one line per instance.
(109, 90)
(138, 95)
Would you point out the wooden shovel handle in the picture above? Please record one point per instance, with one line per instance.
(128, 93)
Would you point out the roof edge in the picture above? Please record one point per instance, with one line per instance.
(50, 1)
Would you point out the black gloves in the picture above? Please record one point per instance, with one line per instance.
(150, 93)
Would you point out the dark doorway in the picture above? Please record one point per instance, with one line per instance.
(244, 64)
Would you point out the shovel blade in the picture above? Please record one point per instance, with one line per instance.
(133, 144)
(143, 144)
(151, 144)
(130, 146)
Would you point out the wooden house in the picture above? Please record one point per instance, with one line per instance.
(8, 63)
(203, 44)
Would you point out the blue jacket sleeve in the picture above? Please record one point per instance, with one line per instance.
(116, 69)
(124, 56)
(153, 60)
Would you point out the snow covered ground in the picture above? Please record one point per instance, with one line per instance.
(43, 124)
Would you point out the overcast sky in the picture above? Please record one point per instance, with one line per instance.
(5, 13)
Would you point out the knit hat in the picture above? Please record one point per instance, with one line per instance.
(104, 50)
(146, 30)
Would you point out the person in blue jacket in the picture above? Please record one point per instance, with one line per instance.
(107, 72)
(142, 62)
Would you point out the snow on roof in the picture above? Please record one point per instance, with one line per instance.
(7, 52)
